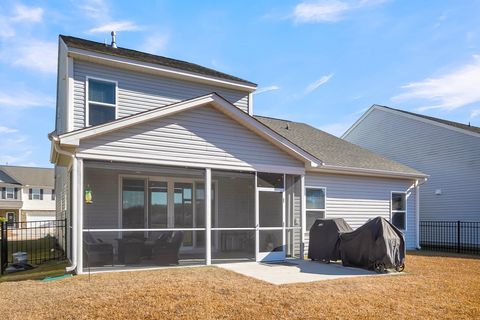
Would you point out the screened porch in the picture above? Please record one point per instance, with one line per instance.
(139, 216)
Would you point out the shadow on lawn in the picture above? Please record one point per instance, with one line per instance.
(440, 254)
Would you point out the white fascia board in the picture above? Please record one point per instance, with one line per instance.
(73, 138)
(157, 69)
(369, 172)
(358, 122)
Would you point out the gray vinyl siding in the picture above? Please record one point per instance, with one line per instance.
(451, 158)
(138, 92)
(199, 137)
(358, 199)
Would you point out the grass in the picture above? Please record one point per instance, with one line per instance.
(48, 269)
(433, 287)
(37, 249)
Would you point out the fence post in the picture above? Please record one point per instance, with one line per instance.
(3, 246)
(458, 236)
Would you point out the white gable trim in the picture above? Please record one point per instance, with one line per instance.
(73, 138)
(406, 115)
(131, 64)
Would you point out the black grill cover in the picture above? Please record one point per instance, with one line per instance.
(376, 242)
(324, 239)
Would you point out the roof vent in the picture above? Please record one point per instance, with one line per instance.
(114, 42)
(287, 126)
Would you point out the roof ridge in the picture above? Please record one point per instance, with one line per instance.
(211, 72)
(451, 123)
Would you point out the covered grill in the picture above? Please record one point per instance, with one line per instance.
(324, 239)
(376, 245)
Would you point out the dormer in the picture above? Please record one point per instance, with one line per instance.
(98, 83)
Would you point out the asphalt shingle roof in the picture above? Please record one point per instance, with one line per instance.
(331, 149)
(79, 43)
(31, 176)
(443, 121)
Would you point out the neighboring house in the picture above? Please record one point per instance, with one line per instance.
(139, 136)
(27, 194)
(449, 152)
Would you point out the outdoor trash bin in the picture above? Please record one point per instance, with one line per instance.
(20, 257)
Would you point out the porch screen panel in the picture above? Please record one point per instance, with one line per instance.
(233, 216)
(133, 203)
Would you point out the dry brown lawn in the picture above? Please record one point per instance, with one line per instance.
(434, 288)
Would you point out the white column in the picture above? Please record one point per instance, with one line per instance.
(208, 215)
(417, 214)
(257, 221)
(79, 208)
(303, 216)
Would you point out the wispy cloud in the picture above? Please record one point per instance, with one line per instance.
(328, 10)
(337, 129)
(116, 26)
(314, 85)
(450, 91)
(33, 54)
(27, 14)
(155, 43)
(25, 99)
(17, 149)
(4, 129)
(95, 9)
(267, 89)
(475, 113)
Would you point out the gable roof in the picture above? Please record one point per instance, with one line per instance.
(73, 138)
(333, 151)
(443, 121)
(457, 126)
(28, 176)
(73, 42)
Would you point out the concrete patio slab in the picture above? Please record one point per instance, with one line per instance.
(296, 271)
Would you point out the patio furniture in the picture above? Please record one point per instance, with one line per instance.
(130, 250)
(96, 253)
(166, 247)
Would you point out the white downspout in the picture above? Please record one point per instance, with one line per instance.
(73, 199)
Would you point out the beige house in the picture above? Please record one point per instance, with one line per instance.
(27, 194)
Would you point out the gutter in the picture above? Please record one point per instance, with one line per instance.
(56, 141)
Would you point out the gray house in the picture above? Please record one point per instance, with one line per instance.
(449, 152)
(160, 162)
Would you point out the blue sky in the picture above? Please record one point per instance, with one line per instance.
(319, 62)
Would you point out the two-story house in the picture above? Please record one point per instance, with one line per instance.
(27, 194)
(448, 151)
(160, 161)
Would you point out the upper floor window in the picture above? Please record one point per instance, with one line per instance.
(399, 210)
(102, 101)
(9, 193)
(53, 194)
(35, 194)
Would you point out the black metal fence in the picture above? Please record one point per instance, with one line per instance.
(450, 236)
(39, 241)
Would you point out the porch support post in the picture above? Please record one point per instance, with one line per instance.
(303, 216)
(417, 215)
(79, 208)
(208, 215)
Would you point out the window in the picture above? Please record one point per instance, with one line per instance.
(399, 210)
(10, 193)
(35, 194)
(53, 194)
(315, 205)
(101, 101)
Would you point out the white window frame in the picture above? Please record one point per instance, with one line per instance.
(39, 194)
(12, 192)
(87, 98)
(399, 211)
(317, 210)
